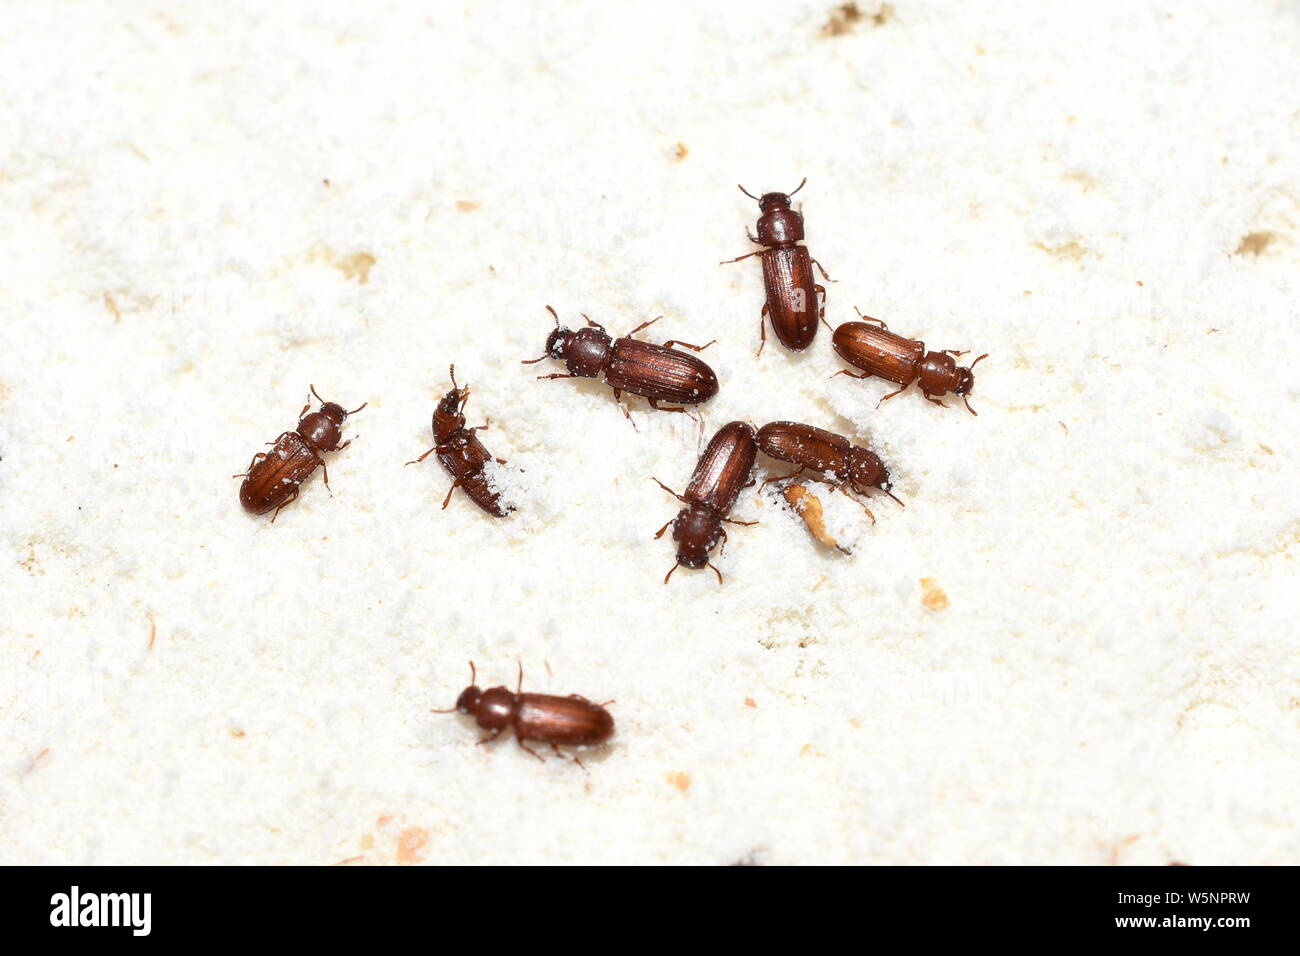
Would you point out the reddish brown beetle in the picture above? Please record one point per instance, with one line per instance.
(461, 453)
(722, 471)
(571, 721)
(792, 292)
(657, 372)
(273, 477)
(878, 351)
(847, 465)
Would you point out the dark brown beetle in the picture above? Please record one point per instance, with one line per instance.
(722, 471)
(848, 466)
(792, 291)
(571, 721)
(273, 477)
(878, 351)
(657, 372)
(461, 453)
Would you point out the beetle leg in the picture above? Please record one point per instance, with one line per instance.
(574, 757)
(285, 504)
(618, 400)
(327, 478)
(898, 391)
(665, 408)
(556, 375)
(734, 521)
(793, 474)
(762, 330)
(489, 738)
(823, 271)
(821, 306)
(867, 318)
(745, 256)
(845, 371)
(416, 461)
(844, 490)
(520, 742)
(644, 325)
(660, 533)
(594, 325)
(256, 458)
(956, 353)
(931, 399)
(446, 501)
(687, 345)
(669, 490)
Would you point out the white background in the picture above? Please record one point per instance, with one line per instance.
(188, 196)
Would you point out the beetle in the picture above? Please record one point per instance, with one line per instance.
(720, 474)
(659, 373)
(571, 721)
(792, 292)
(461, 453)
(273, 477)
(878, 351)
(848, 465)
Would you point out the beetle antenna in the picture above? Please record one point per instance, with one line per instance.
(800, 186)
(891, 494)
(675, 566)
(536, 360)
(554, 316)
(978, 360)
(746, 192)
(318, 398)
(358, 408)
(968, 408)
(473, 679)
(717, 572)
(453, 377)
(667, 489)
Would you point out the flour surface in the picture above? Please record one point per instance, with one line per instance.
(1078, 642)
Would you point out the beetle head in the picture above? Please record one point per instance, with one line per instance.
(966, 381)
(335, 413)
(468, 700)
(557, 343)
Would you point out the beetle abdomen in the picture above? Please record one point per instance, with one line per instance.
(805, 445)
(878, 351)
(723, 468)
(273, 480)
(791, 295)
(661, 373)
(562, 720)
(464, 459)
